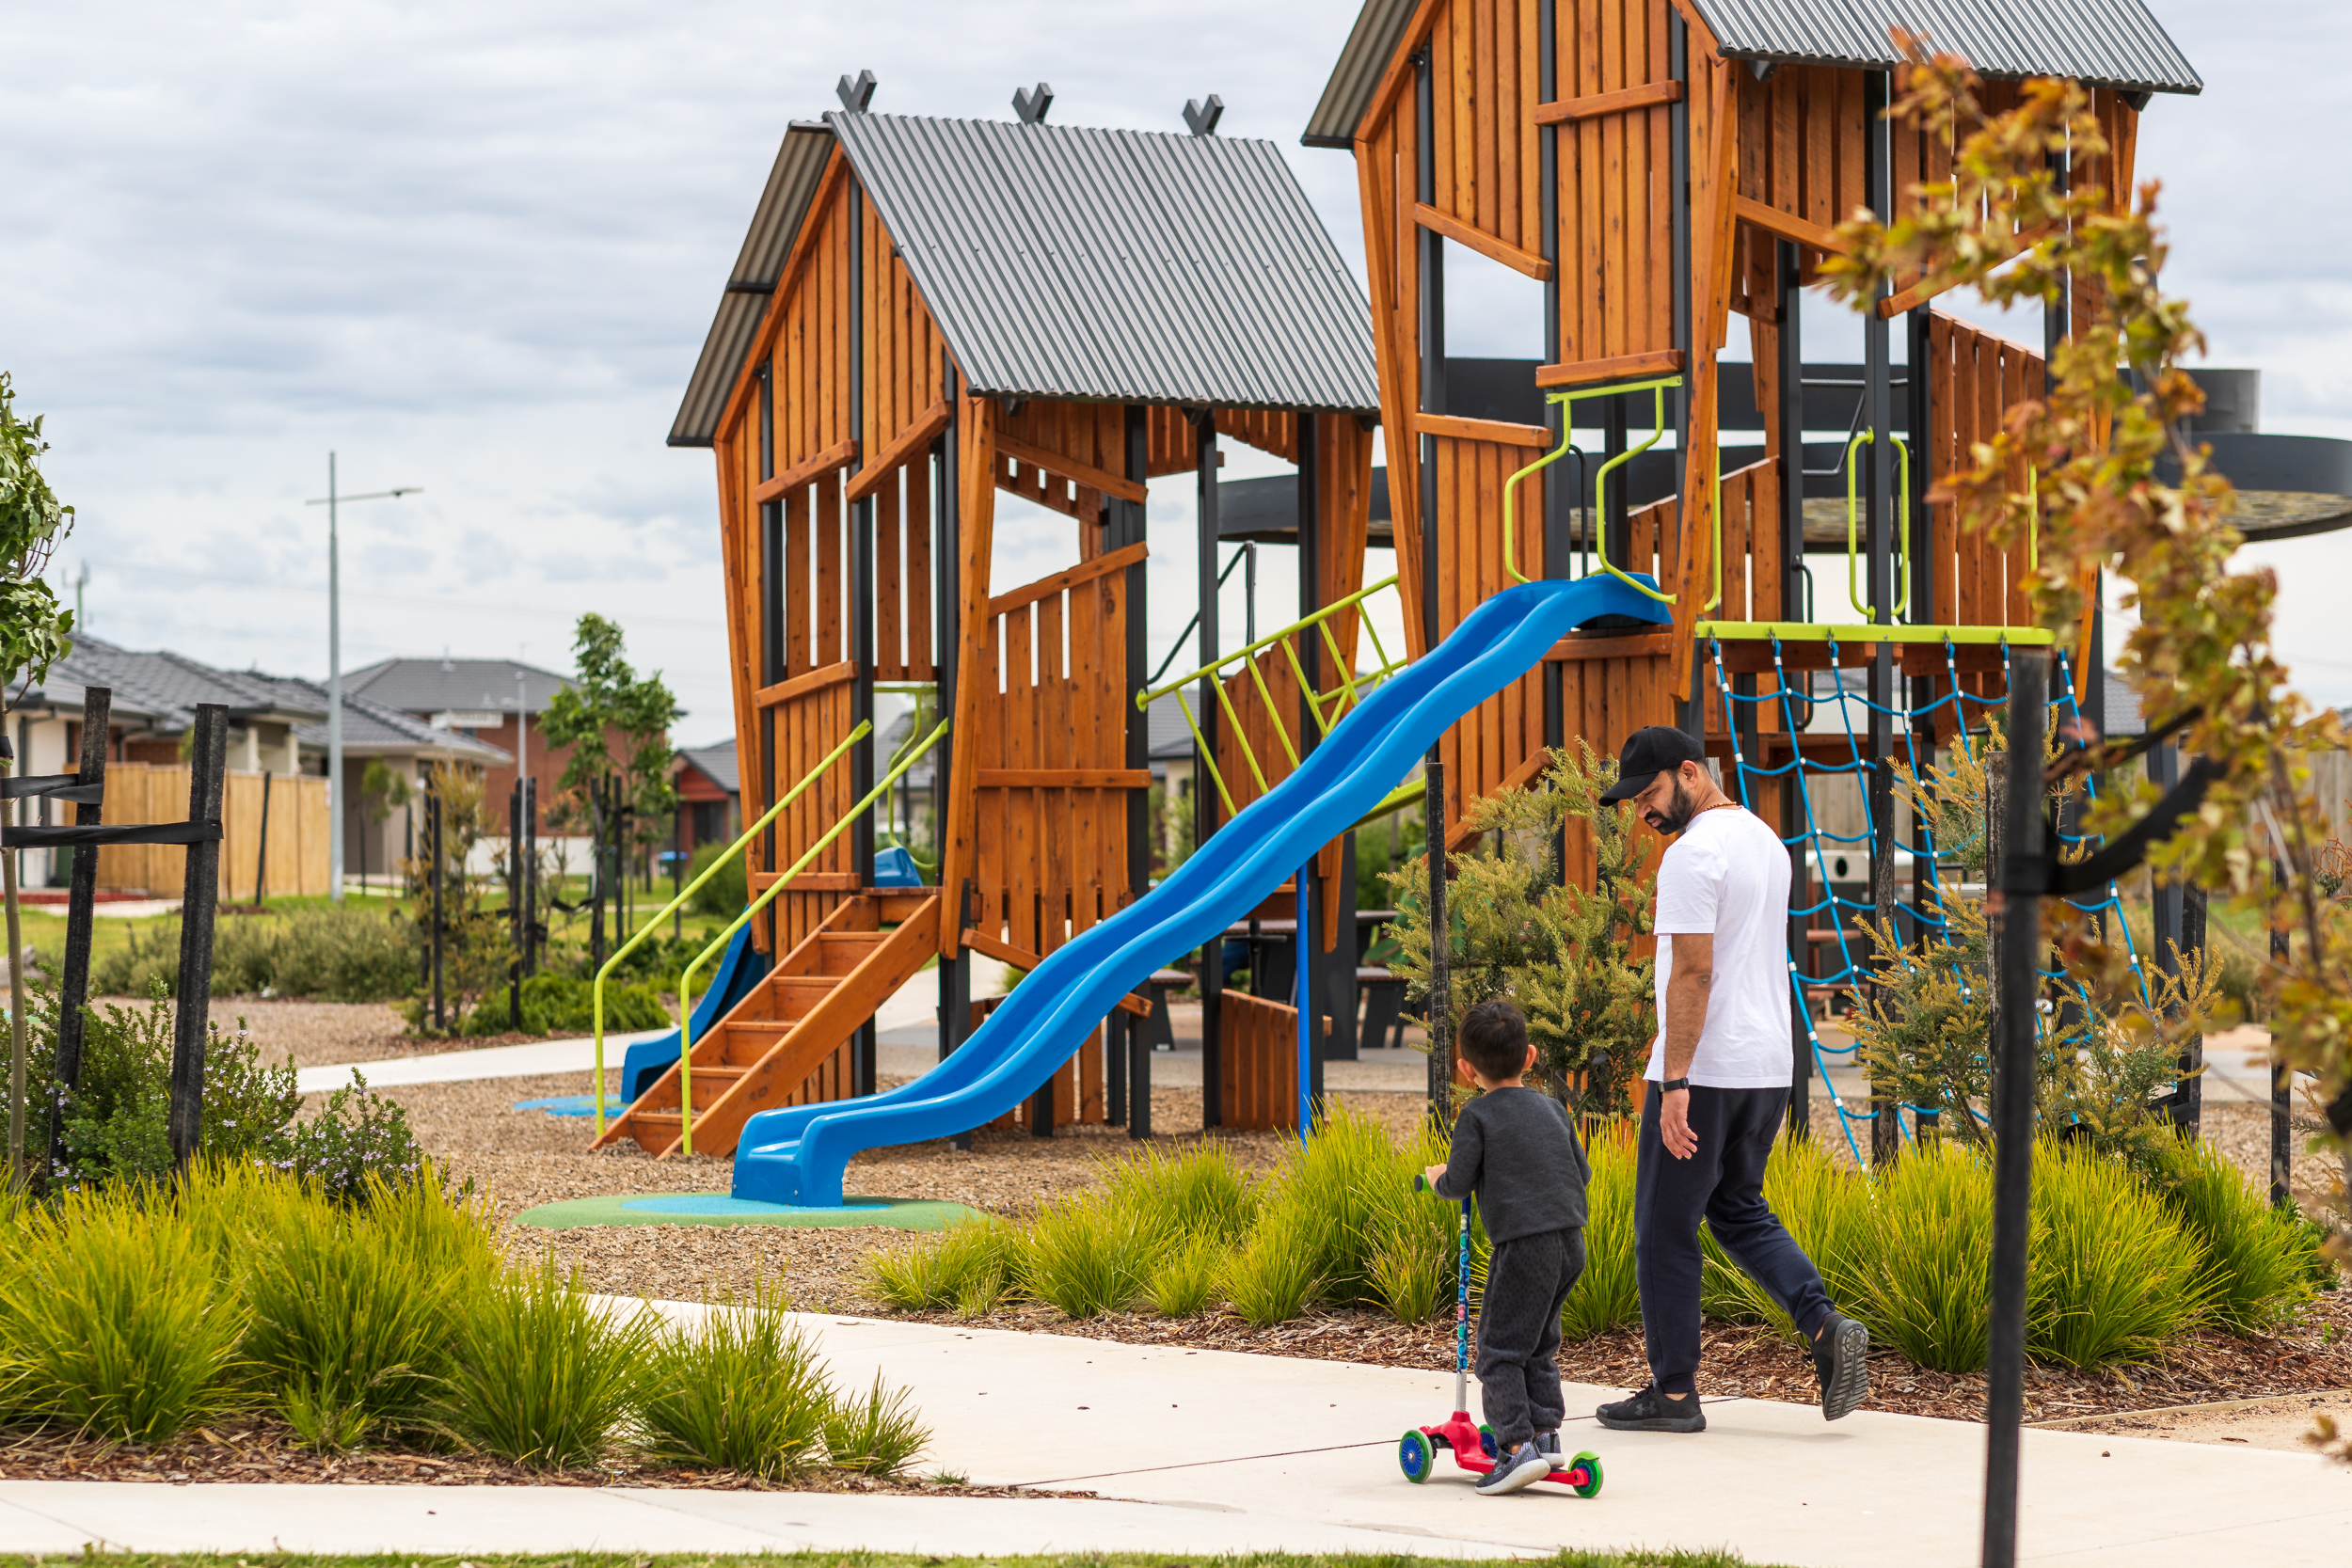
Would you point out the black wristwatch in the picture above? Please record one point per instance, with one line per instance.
(1673, 1084)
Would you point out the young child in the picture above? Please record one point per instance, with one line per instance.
(1514, 1148)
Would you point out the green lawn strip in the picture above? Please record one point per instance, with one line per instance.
(892, 1559)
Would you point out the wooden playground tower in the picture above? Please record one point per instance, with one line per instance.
(926, 313)
(1662, 167)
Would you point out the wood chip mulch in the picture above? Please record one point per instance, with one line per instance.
(1743, 1362)
(265, 1451)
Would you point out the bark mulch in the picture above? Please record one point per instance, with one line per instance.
(2314, 1355)
(266, 1451)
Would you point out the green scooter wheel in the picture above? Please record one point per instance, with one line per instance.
(1415, 1456)
(1584, 1474)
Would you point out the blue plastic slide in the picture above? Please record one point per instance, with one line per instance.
(796, 1155)
(741, 967)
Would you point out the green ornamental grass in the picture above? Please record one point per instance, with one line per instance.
(1184, 1281)
(2258, 1260)
(1931, 1238)
(1606, 1296)
(739, 1388)
(541, 1374)
(2112, 1278)
(1273, 1275)
(114, 1321)
(877, 1432)
(1087, 1255)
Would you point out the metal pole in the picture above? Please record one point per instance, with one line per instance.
(517, 910)
(530, 877)
(2281, 1087)
(1432, 390)
(1204, 788)
(16, 983)
(2017, 938)
(1878, 394)
(334, 688)
(260, 855)
(199, 899)
(432, 823)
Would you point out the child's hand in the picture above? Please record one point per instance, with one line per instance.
(1433, 1176)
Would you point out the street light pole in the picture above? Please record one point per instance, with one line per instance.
(333, 501)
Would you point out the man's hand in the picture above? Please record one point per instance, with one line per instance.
(1674, 1125)
(1433, 1176)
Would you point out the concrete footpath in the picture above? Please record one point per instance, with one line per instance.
(1207, 1452)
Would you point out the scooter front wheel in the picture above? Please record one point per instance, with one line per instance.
(1415, 1456)
(1583, 1474)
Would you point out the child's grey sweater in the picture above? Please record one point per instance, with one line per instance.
(1518, 1151)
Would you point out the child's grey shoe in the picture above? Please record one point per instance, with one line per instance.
(1549, 1442)
(1842, 1356)
(1651, 1411)
(1521, 1466)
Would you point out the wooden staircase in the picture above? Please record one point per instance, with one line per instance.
(787, 1042)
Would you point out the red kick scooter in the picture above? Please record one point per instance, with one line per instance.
(1473, 1444)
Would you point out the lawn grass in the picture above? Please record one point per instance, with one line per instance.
(894, 1560)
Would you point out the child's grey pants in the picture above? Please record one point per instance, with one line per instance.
(1528, 1278)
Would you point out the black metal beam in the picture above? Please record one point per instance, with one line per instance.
(1204, 800)
(1131, 1041)
(199, 899)
(1432, 316)
(865, 1049)
(1880, 470)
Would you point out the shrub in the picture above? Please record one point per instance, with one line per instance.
(1200, 1192)
(348, 1333)
(1087, 1255)
(1186, 1280)
(1275, 1274)
(2257, 1260)
(1335, 1190)
(725, 895)
(346, 954)
(2112, 1276)
(967, 1266)
(357, 1137)
(877, 1432)
(559, 1004)
(1415, 1240)
(1606, 1296)
(113, 1322)
(742, 1389)
(541, 1375)
(1931, 1237)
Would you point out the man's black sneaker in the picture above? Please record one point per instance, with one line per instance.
(1651, 1411)
(1842, 1356)
(1515, 1468)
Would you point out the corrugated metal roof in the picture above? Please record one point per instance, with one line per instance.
(2111, 43)
(1371, 45)
(776, 223)
(1067, 262)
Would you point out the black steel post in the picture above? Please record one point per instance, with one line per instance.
(1788, 371)
(260, 854)
(434, 823)
(596, 831)
(1318, 973)
(2281, 1078)
(1130, 1045)
(80, 915)
(2017, 948)
(1204, 790)
(200, 901)
(955, 975)
(1432, 400)
(1879, 417)
(865, 1049)
(530, 877)
(772, 640)
(1558, 480)
(1678, 214)
(518, 911)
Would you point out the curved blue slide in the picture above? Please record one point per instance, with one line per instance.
(796, 1155)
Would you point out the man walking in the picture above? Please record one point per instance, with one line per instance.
(1718, 1081)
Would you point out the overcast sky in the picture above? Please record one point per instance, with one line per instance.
(475, 248)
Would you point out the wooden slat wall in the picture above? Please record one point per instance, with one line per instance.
(1094, 434)
(1258, 1044)
(1617, 215)
(904, 350)
(1050, 863)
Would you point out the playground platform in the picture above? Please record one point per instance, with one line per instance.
(1182, 1460)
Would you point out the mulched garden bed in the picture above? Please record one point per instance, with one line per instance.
(265, 1451)
(2315, 1356)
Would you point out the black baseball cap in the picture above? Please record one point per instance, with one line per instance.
(1652, 750)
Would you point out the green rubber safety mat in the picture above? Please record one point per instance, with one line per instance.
(719, 1209)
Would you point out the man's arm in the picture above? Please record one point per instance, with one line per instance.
(1687, 989)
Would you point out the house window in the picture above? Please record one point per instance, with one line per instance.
(710, 821)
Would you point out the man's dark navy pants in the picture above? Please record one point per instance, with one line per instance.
(1723, 1182)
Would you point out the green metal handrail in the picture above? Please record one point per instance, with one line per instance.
(1350, 689)
(685, 981)
(1853, 594)
(1601, 479)
(1817, 631)
(863, 729)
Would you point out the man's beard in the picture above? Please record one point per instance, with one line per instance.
(1678, 815)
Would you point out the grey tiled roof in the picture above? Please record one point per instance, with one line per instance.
(446, 685)
(717, 762)
(371, 727)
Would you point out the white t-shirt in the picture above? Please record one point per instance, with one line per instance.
(1728, 874)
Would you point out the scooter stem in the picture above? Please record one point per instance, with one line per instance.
(1461, 1316)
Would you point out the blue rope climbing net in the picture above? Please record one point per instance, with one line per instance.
(1814, 844)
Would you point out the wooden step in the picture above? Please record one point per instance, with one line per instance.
(774, 1047)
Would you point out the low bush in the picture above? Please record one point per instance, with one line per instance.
(740, 1390)
(115, 1322)
(1334, 1193)
(1185, 1279)
(2111, 1277)
(346, 953)
(877, 1432)
(2258, 1259)
(725, 895)
(1415, 1243)
(1200, 1192)
(964, 1266)
(1606, 1296)
(540, 1374)
(559, 1004)
(1932, 1242)
(1087, 1255)
(1276, 1274)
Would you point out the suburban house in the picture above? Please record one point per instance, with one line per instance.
(710, 798)
(492, 701)
(276, 768)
